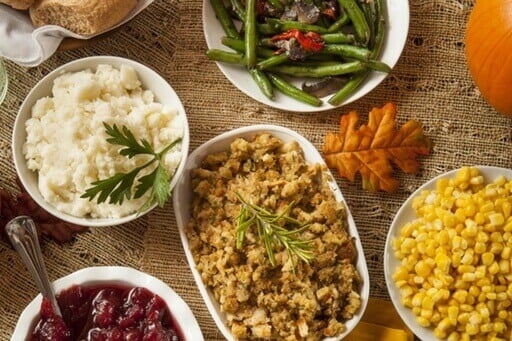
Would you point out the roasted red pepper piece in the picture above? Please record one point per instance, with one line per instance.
(311, 41)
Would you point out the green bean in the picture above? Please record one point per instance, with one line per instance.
(348, 88)
(285, 25)
(319, 71)
(224, 56)
(263, 82)
(368, 8)
(377, 65)
(294, 92)
(338, 24)
(358, 19)
(348, 51)
(267, 42)
(224, 18)
(380, 27)
(277, 4)
(355, 52)
(358, 78)
(266, 29)
(250, 33)
(239, 46)
(338, 38)
(272, 61)
(238, 8)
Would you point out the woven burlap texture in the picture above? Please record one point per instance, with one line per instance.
(430, 83)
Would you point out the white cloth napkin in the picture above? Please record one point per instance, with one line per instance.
(28, 46)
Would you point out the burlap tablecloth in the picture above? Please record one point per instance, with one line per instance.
(430, 83)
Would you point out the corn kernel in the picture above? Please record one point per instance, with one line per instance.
(487, 258)
(494, 268)
(468, 277)
(479, 218)
(508, 226)
(496, 219)
(477, 180)
(463, 175)
(463, 318)
(504, 265)
(503, 314)
(465, 268)
(449, 221)
(406, 291)
(506, 209)
(486, 328)
(487, 207)
(466, 307)
(427, 303)
(501, 296)
(401, 274)
(504, 305)
(472, 329)
(482, 237)
(499, 327)
(474, 291)
(417, 299)
(491, 296)
(440, 334)
(422, 269)
(480, 247)
(496, 248)
(505, 253)
(423, 321)
(426, 313)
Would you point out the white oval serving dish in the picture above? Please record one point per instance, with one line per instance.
(182, 198)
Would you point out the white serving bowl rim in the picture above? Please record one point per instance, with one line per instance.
(181, 208)
(404, 214)
(179, 309)
(150, 79)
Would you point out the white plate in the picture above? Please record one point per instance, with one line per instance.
(406, 214)
(397, 20)
(118, 275)
(182, 198)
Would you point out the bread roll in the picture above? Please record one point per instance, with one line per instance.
(84, 17)
(18, 4)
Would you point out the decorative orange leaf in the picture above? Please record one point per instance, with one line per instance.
(373, 148)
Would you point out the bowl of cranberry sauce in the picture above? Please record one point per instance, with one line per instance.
(109, 303)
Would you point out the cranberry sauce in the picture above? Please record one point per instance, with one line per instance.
(107, 312)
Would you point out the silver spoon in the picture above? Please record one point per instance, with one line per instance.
(23, 235)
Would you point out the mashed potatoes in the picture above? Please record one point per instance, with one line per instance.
(66, 140)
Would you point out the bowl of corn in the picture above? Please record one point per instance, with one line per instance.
(447, 260)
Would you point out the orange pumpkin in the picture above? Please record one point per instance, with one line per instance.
(489, 51)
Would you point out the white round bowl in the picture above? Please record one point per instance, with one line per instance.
(406, 214)
(150, 80)
(115, 275)
(183, 197)
(397, 27)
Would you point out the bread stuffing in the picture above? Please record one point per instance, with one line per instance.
(292, 299)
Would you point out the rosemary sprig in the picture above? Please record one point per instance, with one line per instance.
(274, 230)
(119, 187)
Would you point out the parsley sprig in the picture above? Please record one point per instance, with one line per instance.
(119, 187)
(274, 230)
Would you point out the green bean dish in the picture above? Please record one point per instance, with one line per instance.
(334, 44)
